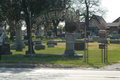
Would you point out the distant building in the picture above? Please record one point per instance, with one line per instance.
(112, 27)
(80, 26)
(95, 20)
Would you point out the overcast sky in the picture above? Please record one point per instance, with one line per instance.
(113, 9)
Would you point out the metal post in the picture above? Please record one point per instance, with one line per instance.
(30, 37)
(85, 46)
(0, 52)
(104, 53)
(87, 51)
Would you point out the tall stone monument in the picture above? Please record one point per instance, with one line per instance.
(102, 36)
(102, 33)
(1, 35)
(18, 42)
(5, 36)
(70, 38)
(39, 32)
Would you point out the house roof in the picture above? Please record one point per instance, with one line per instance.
(117, 20)
(98, 18)
(112, 24)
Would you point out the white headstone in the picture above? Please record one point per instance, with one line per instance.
(69, 45)
(18, 42)
(1, 35)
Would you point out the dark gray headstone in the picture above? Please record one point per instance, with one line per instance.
(52, 42)
(79, 45)
(37, 42)
(5, 49)
(39, 47)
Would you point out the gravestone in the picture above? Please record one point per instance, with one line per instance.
(26, 42)
(55, 37)
(95, 38)
(39, 46)
(114, 37)
(18, 44)
(50, 45)
(69, 45)
(115, 34)
(102, 36)
(79, 45)
(77, 35)
(52, 42)
(37, 42)
(114, 41)
(5, 36)
(5, 49)
(1, 35)
(39, 32)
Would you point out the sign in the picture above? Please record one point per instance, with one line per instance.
(56, 14)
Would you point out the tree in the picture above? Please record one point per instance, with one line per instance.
(87, 8)
(102, 26)
(11, 12)
(35, 7)
(26, 4)
(70, 27)
(38, 6)
(60, 4)
(55, 24)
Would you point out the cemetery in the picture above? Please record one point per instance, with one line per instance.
(88, 44)
(53, 48)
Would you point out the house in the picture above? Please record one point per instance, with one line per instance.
(116, 21)
(112, 27)
(94, 22)
(80, 26)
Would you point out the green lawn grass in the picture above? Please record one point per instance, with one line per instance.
(53, 55)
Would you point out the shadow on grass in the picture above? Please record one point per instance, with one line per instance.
(39, 58)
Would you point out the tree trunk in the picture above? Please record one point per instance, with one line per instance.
(87, 15)
(55, 24)
(29, 34)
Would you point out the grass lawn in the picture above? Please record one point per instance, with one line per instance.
(55, 58)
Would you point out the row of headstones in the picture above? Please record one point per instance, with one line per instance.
(39, 46)
(4, 47)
